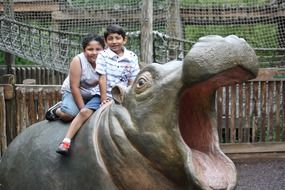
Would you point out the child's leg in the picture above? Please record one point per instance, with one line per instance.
(51, 112)
(63, 116)
(83, 115)
(77, 122)
(68, 109)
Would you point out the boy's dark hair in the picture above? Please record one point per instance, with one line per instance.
(113, 28)
(92, 37)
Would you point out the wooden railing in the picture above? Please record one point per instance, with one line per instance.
(25, 106)
(251, 112)
(42, 75)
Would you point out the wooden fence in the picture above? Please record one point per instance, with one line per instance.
(248, 113)
(26, 106)
(251, 112)
(41, 74)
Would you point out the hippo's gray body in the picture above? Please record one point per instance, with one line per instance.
(160, 133)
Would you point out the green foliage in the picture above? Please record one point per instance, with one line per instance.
(101, 4)
(18, 60)
(224, 2)
(1, 58)
(254, 34)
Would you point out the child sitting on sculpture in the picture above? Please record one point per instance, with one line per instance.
(115, 65)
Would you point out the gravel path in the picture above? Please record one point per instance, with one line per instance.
(261, 175)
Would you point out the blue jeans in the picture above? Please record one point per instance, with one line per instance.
(69, 106)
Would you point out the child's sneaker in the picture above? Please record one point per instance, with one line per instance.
(50, 114)
(63, 148)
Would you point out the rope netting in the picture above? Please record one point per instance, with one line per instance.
(49, 31)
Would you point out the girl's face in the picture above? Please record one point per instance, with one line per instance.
(92, 50)
(116, 42)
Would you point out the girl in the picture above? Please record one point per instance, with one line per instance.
(80, 90)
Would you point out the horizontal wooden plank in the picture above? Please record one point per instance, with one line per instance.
(29, 1)
(197, 15)
(34, 7)
(37, 86)
(133, 15)
(256, 156)
(253, 148)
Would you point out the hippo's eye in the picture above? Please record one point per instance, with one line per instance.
(143, 82)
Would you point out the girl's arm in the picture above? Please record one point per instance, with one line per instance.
(74, 77)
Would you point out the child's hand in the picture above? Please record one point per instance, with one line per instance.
(105, 101)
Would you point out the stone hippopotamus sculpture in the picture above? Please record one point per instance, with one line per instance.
(158, 134)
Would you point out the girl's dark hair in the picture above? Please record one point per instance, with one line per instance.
(113, 28)
(92, 37)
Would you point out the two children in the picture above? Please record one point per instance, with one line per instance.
(115, 65)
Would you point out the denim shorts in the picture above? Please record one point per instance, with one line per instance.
(69, 106)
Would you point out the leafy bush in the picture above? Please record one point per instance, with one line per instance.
(18, 60)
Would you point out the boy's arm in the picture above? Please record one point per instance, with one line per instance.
(130, 82)
(135, 70)
(101, 70)
(103, 88)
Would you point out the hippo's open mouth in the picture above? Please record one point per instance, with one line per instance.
(197, 123)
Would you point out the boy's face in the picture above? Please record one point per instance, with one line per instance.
(115, 42)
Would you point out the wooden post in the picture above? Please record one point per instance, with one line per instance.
(9, 81)
(219, 103)
(9, 59)
(233, 113)
(247, 113)
(174, 29)
(240, 114)
(278, 110)
(227, 114)
(3, 139)
(255, 106)
(146, 32)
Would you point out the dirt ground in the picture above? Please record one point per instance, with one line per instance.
(261, 174)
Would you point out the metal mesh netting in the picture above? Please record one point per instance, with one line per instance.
(52, 27)
(84, 15)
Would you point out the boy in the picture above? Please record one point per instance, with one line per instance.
(116, 64)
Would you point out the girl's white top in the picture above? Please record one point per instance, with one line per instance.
(88, 81)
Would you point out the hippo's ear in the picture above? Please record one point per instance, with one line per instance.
(118, 94)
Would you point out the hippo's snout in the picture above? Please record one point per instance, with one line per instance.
(214, 55)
